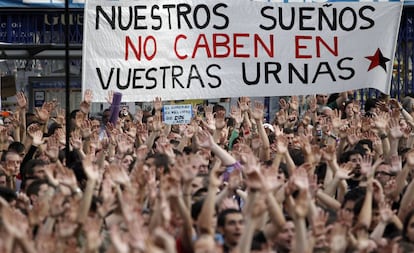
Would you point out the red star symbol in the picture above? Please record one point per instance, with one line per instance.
(377, 59)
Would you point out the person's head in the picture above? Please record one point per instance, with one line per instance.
(106, 114)
(126, 119)
(352, 197)
(127, 162)
(149, 120)
(13, 160)
(195, 214)
(365, 145)
(35, 168)
(348, 110)
(37, 189)
(355, 158)
(408, 227)
(158, 162)
(230, 224)
(370, 105)
(289, 133)
(407, 103)
(259, 243)
(200, 181)
(322, 99)
(326, 111)
(17, 147)
(384, 173)
(8, 194)
(73, 118)
(268, 128)
(283, 240)
(375, 212)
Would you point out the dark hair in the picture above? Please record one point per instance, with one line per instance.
(73, 113)
(221, 220)
(27, 170)
(369, 104)
(297, 156)
(196, 209)
(284, 169)
(218, 107)
(362, 142)
(52, 128)
(34, 187)
(332, 98)
(7, 194)
(354, 195)
(344, 108)
(259, 240)
(360, 202)
(17, 147)
(346, 155)
(28, 167)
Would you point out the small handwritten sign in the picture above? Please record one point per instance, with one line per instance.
(177, 114)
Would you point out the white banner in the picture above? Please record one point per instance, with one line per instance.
(211, 49)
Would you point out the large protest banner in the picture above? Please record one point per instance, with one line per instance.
(209, 49)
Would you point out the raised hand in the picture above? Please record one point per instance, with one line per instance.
(336, 119)
(37, 137)
(14, 222)
(220, 122)
(157, 124)
(60, 116)
(86, 128)
(345, 171)
(395, 129)
(313, 106)
(157, 104)
(67, 178)
(91, 170)
(329, 153)
(281, 145)
(381, 121)
(281, 117)
(243, 104)
(79, 118)
(21, 100)
(294, 103)
(300, 178)
(76, 140)
(42, 114)
(257, 112)
(52, 149)
(366, 166)
(138, 115)
(142, 132)
(386, 213)
(88, 96)
(254, 177)
(283, 104)
(110, 97)
(205, 140)
(396, 163)
(118, 174)
(236, 114)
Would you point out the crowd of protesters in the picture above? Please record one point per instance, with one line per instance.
(333, 178)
